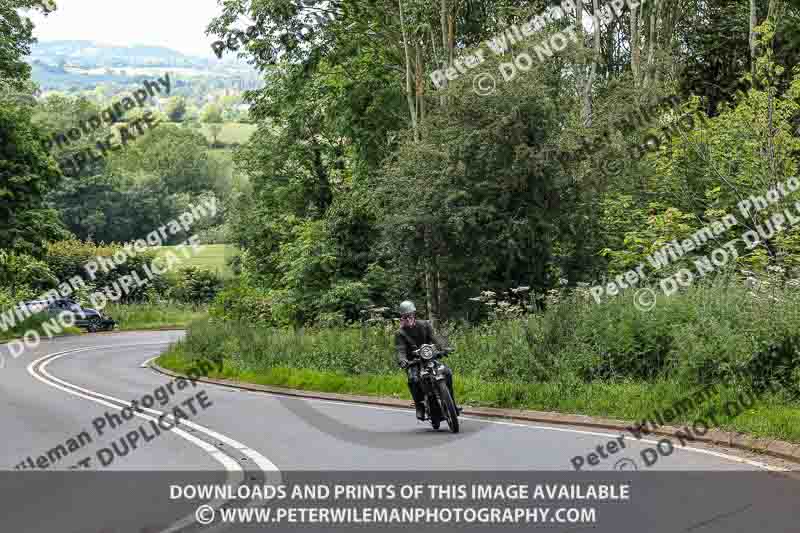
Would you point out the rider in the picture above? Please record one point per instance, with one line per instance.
(414, 333)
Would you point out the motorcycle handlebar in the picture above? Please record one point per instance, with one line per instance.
(440, 353)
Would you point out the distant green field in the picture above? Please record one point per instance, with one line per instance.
(232, 132)
(212, 257)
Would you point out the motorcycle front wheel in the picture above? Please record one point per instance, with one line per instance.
(434, 412)
(448, 407)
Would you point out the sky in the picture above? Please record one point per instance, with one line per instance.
(176, 24)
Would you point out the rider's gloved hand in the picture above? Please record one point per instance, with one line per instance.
(404, 363)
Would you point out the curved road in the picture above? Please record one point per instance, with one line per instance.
(71, 389)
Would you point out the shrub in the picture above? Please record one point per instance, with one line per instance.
(68, 258)
(215, 235)
(20, 273)
(346, 299)
(708, 334)
(241, 302)
(196, 285)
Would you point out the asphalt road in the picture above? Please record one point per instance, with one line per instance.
(70, 389)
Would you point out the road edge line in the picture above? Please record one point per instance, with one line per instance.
(764, 446)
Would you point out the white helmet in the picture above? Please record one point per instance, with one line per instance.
(407, 307)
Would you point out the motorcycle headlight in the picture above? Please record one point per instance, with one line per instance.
(426, 353)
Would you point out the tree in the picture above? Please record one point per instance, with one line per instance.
(361, 165)
(215, 130)
(27, 173)
(17, 38)
(117, 207)
(212, 115)
(177, 156)
(176, 108)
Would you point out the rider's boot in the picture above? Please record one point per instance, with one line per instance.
(420, 411)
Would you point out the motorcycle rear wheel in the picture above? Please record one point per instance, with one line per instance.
(449, 407)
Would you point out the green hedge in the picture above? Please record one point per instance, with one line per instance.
(67, 259)
(579, 357)
(707, 334)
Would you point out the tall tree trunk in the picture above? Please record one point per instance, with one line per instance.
(324, 197)
(611, 59)
(579, 84)
(752, 40)
(447, 22)
(636, 61)
(445, 53)
(652, 37)
(596, 51)
(775, 10)
(445, 34)
(420, 85)
(441, 279)
(430, 292)
(409, 88)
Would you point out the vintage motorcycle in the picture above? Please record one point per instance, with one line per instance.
(439, 404)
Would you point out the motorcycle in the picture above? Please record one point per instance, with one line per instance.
(439, 404)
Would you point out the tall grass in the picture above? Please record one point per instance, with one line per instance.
(155, 315)
(34, 323)
(581, 357)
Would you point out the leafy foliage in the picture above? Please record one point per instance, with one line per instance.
(26, 175)
(67, 259)
(196, 285)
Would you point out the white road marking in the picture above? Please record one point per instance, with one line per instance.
(728, 457)
(146, 364)
(235, 471)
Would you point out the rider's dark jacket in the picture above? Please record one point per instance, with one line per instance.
(421, 333)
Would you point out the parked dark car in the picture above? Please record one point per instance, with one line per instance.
(89, 319)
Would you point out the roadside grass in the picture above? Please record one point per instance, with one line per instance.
(212, 257)
(154, 316)
(355, 361)
(34, 323)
